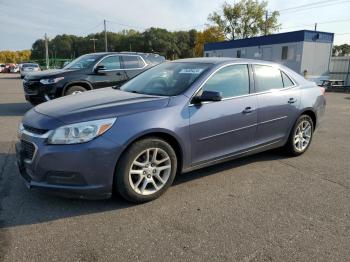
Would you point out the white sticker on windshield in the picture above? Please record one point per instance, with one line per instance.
(90, 59)
(195, 71)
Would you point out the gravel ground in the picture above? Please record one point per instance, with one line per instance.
(265, 207)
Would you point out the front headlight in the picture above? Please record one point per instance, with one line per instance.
(51, 80)
(80, 132)
(20, 130)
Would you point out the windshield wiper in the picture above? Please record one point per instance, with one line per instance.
(136, 92)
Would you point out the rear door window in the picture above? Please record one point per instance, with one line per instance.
(132, 62)
(286, 80)
(267, 78)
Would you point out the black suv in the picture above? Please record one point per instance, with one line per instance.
(87, 72)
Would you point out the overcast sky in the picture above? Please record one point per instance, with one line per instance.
(24, 21)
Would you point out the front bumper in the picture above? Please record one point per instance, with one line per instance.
(78, 171)
(37, 93)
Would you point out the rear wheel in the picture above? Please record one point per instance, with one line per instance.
(73, 90)
(300, 137)
(146, 170)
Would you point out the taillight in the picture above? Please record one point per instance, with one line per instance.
(323, 90)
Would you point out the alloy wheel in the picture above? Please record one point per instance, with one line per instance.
(150, 171)
(302, 135)
(77, 92)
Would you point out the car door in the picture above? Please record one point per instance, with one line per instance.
(133, 65)
(219, 129)
(278, 101)
(111, 75)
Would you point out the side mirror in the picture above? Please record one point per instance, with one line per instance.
(207, 96)
(99, 68)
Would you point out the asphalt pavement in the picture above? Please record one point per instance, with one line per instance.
(265, 207)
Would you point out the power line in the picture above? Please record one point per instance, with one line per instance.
(92, 28)
(131, 26)
(307, 5)
(324, 22)
(311, 7)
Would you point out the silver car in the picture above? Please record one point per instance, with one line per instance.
(28, 68)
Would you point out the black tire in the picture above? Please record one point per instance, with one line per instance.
(290, 148)
(72, 89)
(121, 180)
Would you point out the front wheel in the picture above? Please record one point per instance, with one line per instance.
(73, 90)
(300, 137)
(146, 170)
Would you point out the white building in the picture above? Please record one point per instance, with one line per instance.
(306, 52)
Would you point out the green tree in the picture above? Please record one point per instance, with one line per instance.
(341, 50)
(209, 35)
(178, 44)
(245, 18)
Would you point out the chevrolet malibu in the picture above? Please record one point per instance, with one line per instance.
(176, 117)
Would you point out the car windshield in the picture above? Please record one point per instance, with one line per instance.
(30, 65)
(166, 79)
(83, 62)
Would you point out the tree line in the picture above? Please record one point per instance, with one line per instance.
(172, 45)
(8, 57)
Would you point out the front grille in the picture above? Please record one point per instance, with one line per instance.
(28, 150)
(35, 130)
(31, 87)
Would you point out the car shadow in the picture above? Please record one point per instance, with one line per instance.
(274, 154)
(15, 77)
(21, 206)
(14, 109)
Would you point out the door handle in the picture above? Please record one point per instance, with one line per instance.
(247, 110)
(118, 74)
(291, 100)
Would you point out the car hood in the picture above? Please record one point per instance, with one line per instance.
(48, 73)
(99, 104)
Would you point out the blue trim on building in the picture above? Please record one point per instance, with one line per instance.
(296, 36)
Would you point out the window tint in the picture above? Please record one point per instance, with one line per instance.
(131, 62)
(286, 80)
(229, 81)
(267, 78)
(111, 62)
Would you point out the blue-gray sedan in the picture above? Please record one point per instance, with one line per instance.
(174, 118)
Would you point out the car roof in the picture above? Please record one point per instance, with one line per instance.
(223, 60)
(123, 53)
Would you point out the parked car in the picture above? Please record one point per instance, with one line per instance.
(2, 67)
(175, 117)
(28, 68)
(87, 72)
(7, 68)
(14, 69)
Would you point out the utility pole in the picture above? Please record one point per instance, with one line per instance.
(47, 51)
(266, 17)
(315, 26)
(105, 28)
(94, 40)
